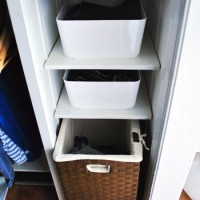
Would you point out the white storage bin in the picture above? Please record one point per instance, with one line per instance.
(114, 133)
(102, 95)
(100, 38)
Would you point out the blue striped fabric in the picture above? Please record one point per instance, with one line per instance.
(12, 150)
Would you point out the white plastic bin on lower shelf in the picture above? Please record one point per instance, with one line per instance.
(103, 94)
(85, 176)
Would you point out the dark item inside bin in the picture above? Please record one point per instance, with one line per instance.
(103, 75)
(128, 10)
(81, 146)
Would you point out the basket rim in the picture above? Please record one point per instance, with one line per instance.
(136, 149)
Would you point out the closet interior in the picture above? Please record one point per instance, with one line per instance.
(43, 62)
(17, 118)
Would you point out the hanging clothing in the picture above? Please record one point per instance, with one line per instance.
(6, 168)
(12, 150)
(8, 121)
(17, 118)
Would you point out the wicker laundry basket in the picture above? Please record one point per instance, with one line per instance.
(97, 177)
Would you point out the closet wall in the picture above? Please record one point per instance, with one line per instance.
(36, 33)
(164, 23)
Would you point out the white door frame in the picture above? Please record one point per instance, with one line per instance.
(181, 133)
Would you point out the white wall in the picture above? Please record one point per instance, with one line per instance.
(181, 133)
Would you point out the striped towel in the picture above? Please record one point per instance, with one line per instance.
(12, 150)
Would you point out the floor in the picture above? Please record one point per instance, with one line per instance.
(184, 196)
(24, 192)
(29, 192)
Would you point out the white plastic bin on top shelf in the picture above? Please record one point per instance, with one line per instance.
(102, 95)
(100, 38)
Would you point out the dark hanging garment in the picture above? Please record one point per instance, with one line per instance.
(17, 118)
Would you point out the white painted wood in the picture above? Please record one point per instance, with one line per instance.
(181, 133)
(56, 82)
(25, 19)
(174, 154)
(47, 14)
(47, 11)
(39, 165)
(147, 59)
(198, 148)
(165, 18)
(192, 184)
(141, 110)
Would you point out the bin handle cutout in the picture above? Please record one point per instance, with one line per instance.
(98, 168)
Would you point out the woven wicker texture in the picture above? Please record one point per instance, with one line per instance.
(79, 184)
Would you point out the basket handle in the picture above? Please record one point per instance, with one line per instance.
(98, 168)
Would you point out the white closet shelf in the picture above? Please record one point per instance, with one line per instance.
(39, 165)
(147, 59)
(141, 110)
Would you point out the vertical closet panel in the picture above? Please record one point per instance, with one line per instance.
(27, 26)
(164, 21)
(35, 40)
(47, 12)
(182, 127)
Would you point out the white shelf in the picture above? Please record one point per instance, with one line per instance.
(39, 165)
(147, 60)
(142, 109)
